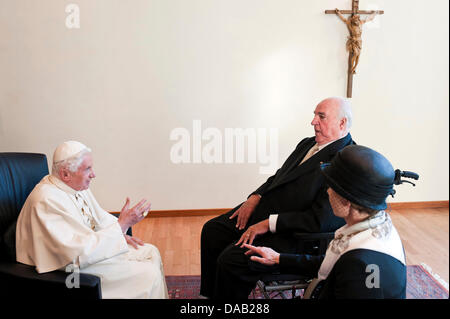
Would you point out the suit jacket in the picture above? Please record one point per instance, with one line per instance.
(349, 277)
(298, 194)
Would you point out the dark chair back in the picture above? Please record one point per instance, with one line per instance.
(19, 173)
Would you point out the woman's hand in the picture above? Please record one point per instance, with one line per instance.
(268, 257)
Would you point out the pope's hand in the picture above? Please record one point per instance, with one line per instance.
(133, 241)
(131, 216)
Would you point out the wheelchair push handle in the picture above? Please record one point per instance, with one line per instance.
(407, 174)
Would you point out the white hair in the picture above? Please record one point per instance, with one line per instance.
(345, 110)
(72, 163)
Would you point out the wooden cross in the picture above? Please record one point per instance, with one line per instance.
(354, 41)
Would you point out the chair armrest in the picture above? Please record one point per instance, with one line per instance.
(314, 236)
(129, 231)
(19, 280)
(320, 241)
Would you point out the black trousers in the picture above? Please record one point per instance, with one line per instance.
(226, 272)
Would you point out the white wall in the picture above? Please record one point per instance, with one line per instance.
(135, 70)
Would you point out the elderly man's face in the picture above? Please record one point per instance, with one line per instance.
(81, 179)
(327, 124)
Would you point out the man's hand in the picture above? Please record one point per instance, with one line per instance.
(133, 241)
(268, 257)
(244, 212)
(249, 235)
(130, 216)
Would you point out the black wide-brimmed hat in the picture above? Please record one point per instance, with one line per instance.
(361, 175)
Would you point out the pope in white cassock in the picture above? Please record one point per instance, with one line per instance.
(61, 224)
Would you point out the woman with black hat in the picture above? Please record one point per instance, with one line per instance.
(366, 257)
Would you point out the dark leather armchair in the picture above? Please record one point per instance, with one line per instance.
(19, 173)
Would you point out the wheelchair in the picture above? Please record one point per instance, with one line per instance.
(290, 286)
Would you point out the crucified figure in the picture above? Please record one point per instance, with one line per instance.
(354, 42)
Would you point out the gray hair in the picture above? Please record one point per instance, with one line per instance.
(72, 163)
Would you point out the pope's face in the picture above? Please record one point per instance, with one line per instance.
(81, 179)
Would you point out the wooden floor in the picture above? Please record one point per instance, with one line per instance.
(424, 232)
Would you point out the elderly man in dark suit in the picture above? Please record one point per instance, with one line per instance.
(294, 199)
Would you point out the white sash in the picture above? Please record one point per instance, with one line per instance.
(376, 233)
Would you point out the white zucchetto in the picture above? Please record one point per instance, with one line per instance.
(68, 149)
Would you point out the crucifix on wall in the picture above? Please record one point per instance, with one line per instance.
(354, 42)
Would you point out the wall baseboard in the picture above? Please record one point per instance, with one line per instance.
(188, 212)
(184, 212)
(431, 204)
(219, 211)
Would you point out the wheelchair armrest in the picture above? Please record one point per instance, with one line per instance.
(19, 280)
(314, 236)
(320, 240)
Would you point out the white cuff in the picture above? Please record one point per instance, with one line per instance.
(273, 223)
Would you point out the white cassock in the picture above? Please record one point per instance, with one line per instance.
(59, 226)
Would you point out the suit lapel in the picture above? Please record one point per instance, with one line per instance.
(323, 156)
(300, 155)
(294, 160)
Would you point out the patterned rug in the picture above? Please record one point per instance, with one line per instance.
(420, 285)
